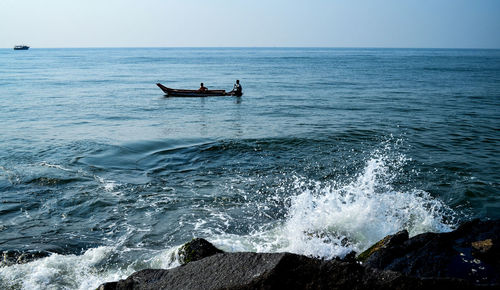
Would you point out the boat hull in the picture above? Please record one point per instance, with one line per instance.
(169, 92)
(21, 47)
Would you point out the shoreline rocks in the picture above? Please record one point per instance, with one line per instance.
(466, 258)
(471, 252)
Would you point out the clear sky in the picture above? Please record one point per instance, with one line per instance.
(332, 23)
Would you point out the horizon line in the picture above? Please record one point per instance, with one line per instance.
(325, 47)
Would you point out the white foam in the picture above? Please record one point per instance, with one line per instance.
(165, 259)
(65, 271)
(330, 218)
(108, 185)
(46, 164)
(86, 271)
(323, 219)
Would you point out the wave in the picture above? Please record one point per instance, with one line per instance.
(331, 218)
(66, 271)
(87, 271)
(263, 212)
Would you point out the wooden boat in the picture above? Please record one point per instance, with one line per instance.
(195, 93)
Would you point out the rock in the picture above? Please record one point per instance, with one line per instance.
(482, 246)
(113, 286)
(389, 241)
(350, 257)
(487, 250)
(275, 271)
(9, 258)
(196, 250)
(471, 252)
(467, 258)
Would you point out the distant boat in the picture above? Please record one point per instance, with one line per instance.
(21, 47)
(196, 93)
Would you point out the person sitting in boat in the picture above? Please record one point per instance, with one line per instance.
(202, 88)
(237, 88)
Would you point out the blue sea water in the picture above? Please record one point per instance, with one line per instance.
(328, 151)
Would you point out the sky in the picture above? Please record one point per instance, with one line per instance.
(251, 23)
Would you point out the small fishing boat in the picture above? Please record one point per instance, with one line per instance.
(21, 47)
(196, 93)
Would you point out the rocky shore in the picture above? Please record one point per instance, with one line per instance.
(467, 258)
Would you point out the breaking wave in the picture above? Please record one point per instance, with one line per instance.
(326, 219)
(323, 219)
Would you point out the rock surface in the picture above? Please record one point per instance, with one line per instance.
(9, 258)
(196, 250)
(471, 252)
(274, 271)
(463, 259)
(389, 241)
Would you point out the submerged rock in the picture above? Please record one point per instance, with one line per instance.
(9, 258)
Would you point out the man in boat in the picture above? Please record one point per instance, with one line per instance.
(202, 88)
(237, 89)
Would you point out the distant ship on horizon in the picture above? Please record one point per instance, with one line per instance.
(21, 47)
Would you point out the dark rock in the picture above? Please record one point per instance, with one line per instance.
(12, 257)
(196, 250)
(113, 286)
(467, 258)
(471, 252)
(350, 257)
(391, 241)
(275, 271)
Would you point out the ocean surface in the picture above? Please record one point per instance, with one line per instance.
(328, 151)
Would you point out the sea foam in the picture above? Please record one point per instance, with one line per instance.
(327, 219)
(70, 271)
(323, 219)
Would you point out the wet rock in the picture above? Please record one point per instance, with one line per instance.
(275, 271)
(195, 250)
(482, 247)
(487, 250)
(471, 252)
(114, 285)
(12, 257)
(391, 241)
(466, 258)
(350, 257)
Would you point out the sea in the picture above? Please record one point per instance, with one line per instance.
(328, 151)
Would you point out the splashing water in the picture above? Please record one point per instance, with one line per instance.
(330, 219)
(74, 272)
(86, 271)
(323, 219)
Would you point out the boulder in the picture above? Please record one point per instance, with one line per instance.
(391, 241)
(467, 258)
(195, 250)
(471, 252)
(275, 271)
